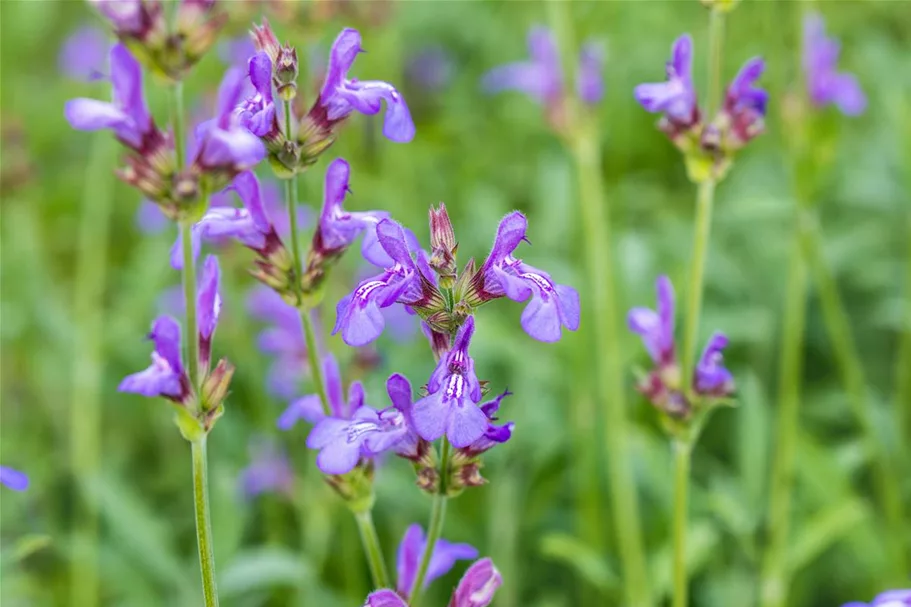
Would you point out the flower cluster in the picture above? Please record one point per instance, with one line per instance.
(222, 147)
(541, 77)
(273, 70)
(419, 281)
(476, 589)
(144, 28)
(708, 143)
(711, 381)
(167, 376)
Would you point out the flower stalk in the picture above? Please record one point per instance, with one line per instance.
(435, 528)
(203, 522)
(583, 136)
(371, 542)
(682, 455)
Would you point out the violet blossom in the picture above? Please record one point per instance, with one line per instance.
(541, 77)
(310, 408)
(340, 96)
(167, 376)
(551, 306)
(14, 479)
(889, 598)
(820, 64)
(258, 113)
(476, 589)
(224, 144)
(493, 435)
(411, 550)
(662, 386)
(283, 339)
(675, 98)
(451, 408)
(359, 316)
(269, 471)
(127, 115)
(84, 54)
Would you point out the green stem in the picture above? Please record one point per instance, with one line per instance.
(435, 528)
(838, 326)
(177, 123)
(291, 199)
(88, 364)
(702, 232)
(716, 37)
(203, 525)
(584, 140)
(371, 543)
(313, 358)
(773, 591)
(682, 453)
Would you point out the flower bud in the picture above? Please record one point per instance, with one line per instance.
(264, 40)
(285, 76)
(215, 387)
(443, 247)
(355, 487)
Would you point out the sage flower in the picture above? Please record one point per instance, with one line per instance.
(825, 83)
(14, 479)
(84, 54)
(444, 557)
(283, 340)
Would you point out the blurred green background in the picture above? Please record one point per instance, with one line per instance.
(544, 515)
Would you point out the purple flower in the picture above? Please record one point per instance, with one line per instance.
(165, 376)
(494, 435)
(257, 113)
(284, 340)
(820, 63)
(84, 54)
(552, 306)
(541, 77)
(358, 314)
(14, 479)
(309, 408)
(343, 442)
(889, 598)
(443, 559)
(477, 586)
(224, 144)
(269, 471)
(451, 408)
(745, 104)
(338, 228)
(131, 17)
(657, 327)
(128, 116)
(385, 598)
(676, 98)
(590, 81)
(340, 95)
(710, 378)
(411, 446)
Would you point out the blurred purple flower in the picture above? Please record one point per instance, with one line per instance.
(745, 104)
(710, 377)
(820, 63)
(310, 409)
(478, 586)
(431, 68)
(541, 77)
(128, 116)
(340, 95)
(443, 559)
(84, 54)
(675, 98)
(224, 144)
(494, 435)
(284, 339)
(150, 219)
(257, 112)
(657, 327)
(889, 598)
(14, 479)
(236, 51)
(454, 391)
(269, 471)
(552, 306)
(132, 17)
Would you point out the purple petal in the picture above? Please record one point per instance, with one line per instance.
(150, 219)
(444, 557)
(430, 416)
(466, 423)
(541, 319)
(247, 187)
(385, 598)
(309, 408)
(166, 336)
(510, 232)
(399, 389)
(411, 549)
(209, 300)
(478, 586)
(339, 457)
(590, 80)
(344, 51)
(327, 431)
(847, 95)
(84, 54)
(14, 479)
(260, 70)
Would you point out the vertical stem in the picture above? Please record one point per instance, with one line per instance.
(716, 37)
(682, 453)
(584, 138)
(435, 528)
(704, 202)
(371, 543)
(198, 446)
(203, 526)
(88, 364)
(838, 326)
(313, 358)
(773, 591)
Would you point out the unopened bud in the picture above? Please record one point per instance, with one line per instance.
(264, 40)
(215, 387)
(442, 235)
(285, 73)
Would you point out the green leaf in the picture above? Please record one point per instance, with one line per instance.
(263, 568)
(581, 558)
(823, 530)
